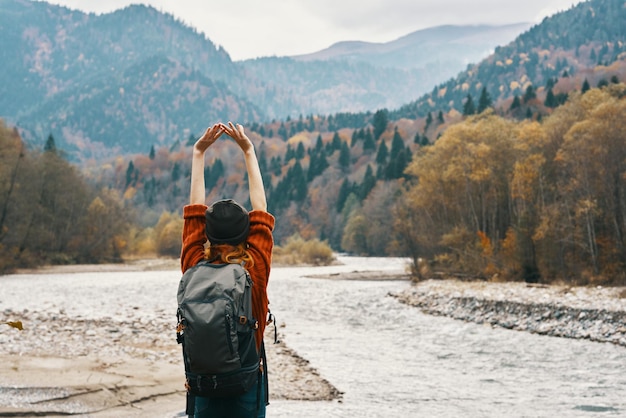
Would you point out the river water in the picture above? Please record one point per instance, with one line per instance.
(388, 359)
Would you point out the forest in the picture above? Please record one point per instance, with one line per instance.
(489, 196)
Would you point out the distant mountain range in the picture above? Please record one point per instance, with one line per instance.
(123, 81)
(448, 48)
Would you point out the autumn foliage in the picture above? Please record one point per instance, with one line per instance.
(527, 200)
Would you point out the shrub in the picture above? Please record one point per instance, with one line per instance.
(298, 251)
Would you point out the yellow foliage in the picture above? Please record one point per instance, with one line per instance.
(130, 193)
(298, 251)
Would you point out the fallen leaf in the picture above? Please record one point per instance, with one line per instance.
(15, 324)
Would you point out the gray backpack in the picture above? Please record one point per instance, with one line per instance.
(216, 329)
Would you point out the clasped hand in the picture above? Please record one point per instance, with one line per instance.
(213, 133)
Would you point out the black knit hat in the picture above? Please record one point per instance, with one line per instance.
(227, 222)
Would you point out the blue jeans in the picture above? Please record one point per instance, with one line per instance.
(247, 405)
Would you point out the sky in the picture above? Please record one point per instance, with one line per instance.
(261, 28)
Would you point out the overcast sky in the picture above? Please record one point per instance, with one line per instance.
(258, 28)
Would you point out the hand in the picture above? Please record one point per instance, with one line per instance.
(238, 135)
(210, 136)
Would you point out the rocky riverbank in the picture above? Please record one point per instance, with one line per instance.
(593, 313)
(122, 362)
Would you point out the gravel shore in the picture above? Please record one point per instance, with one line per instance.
(110, 366)
(593, 313)
(106, 367)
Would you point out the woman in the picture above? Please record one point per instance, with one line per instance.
(234, 236)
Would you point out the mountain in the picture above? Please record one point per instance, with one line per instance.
(449, 48)
(586, 42)
(125, 81)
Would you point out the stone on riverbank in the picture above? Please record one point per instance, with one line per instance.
(597, 314)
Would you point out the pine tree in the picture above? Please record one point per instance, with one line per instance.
(300, 152)
(429, 120)
(382, 154)
(379, 123)
(319, 144)
(344, 156)
(369, 181)
(298, 182)
(336, 142)
(585, 87)
(529, 95)
(130, 171)
(344, 192)
(484, 101)
(468, 106)
(550, 100)
(516, 104)
(50, 145)
(440, 117)
(369, 144)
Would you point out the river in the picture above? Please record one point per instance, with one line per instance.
(388, 359)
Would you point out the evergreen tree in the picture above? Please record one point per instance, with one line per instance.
(130, 171)
(354, 139)
(440, 117)
(300, 152)
(344, 192)
(282, 131)
(585, 87)
(429, 120)
(50, 145)
(529, 95)
(382, 154)
(397, 157)
(152, 153)
(550, 100)
(216, 173)
(529, 113)
(319, 144)
(276, 166)
(369, 144)
(468, 106)
(298, 182)
(484, 101)
(516, 104)
(344, 156)
(290, 154)
(369, 181)
(336, 142)
(379, 122)
(175, 174)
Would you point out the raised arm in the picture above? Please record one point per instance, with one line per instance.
(255, 181)
(197, 195)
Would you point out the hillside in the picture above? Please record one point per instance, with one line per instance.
(132, 79)
(512, 169)
(587, 42)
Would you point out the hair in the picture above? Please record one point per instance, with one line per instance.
(231, 254)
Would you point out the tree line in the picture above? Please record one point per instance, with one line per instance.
(482, 194)
(496, 197)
